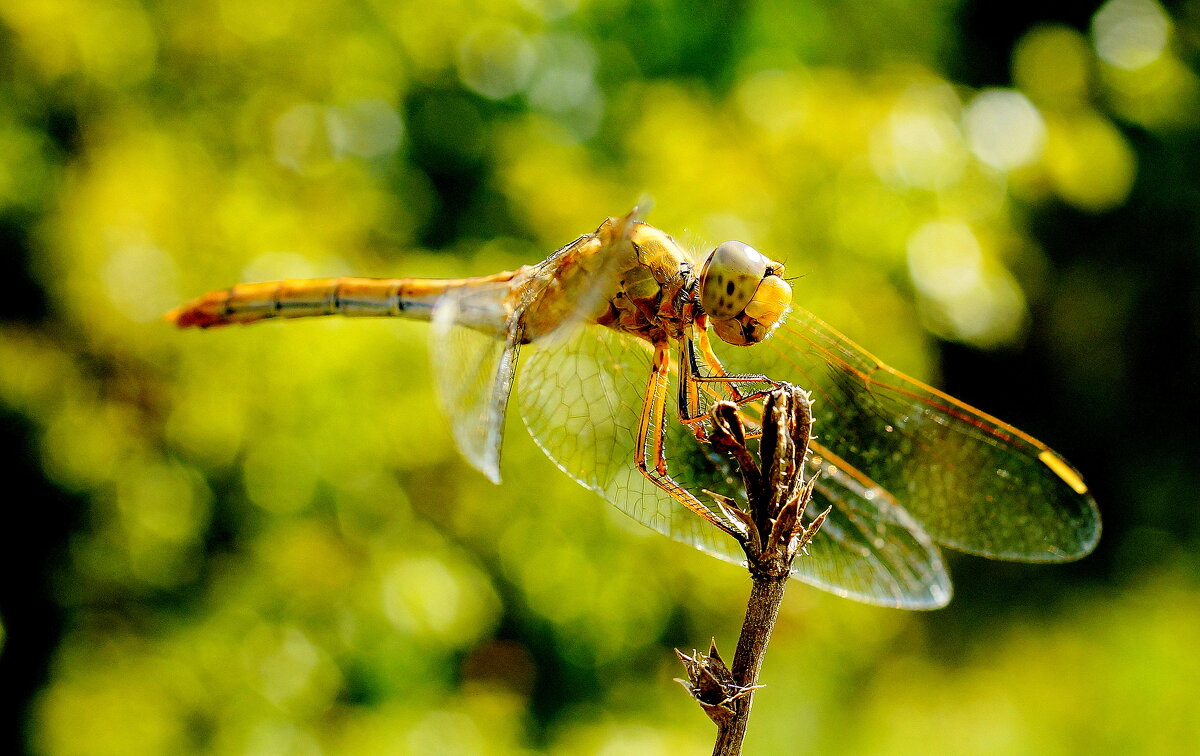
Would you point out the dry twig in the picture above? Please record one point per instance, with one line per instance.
(772, 532)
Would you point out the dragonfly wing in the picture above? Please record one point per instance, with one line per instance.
(474, 362)
(576, 284)
(581, 399)
(973, 482)
(473, 370)
(870, 547)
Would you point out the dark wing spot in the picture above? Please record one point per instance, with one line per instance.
(729, 288)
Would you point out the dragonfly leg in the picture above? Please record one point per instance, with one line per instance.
(717, 385)
(651, 455)
(717, 373)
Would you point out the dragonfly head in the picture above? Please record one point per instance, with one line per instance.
(743, 293)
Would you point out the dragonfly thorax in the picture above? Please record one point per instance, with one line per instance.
(660, 297)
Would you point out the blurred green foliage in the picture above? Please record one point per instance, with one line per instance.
(261, 541)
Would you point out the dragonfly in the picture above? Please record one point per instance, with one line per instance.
(618, 368)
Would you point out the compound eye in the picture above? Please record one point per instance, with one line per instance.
(730, 277)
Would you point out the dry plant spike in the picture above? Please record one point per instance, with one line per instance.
(787, 522)
(728, 437)
(806, 536)
(735, 516)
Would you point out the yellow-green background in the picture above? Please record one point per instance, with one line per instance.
(262, 541)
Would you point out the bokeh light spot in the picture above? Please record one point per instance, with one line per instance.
(1130, 34)
(496, 61)
(365, 128)
(1004, 129)
(275, 266)
(297, 134)
(944, 259)
(564, 77)
(427, 597)
(1088, 160)
(141, 280)
(287, 673)
(919, 143)
(1053, 63)
(964, 297)
(447, 732)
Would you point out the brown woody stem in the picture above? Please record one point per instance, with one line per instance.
(762, 610)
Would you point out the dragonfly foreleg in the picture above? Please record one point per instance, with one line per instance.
(718, 374)
(717, 385)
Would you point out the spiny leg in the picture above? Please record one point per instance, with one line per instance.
(653, 421)
(719, 375)
(691, 411)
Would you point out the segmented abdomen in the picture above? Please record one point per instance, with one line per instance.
(379, 297)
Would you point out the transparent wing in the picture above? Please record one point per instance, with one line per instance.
(974, 483)
(574, 286)
(473, 369)
(869, 548)
(477, 331)
(581, 399)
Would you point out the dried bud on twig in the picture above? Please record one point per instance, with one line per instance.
(711, 683)
(772, 524)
